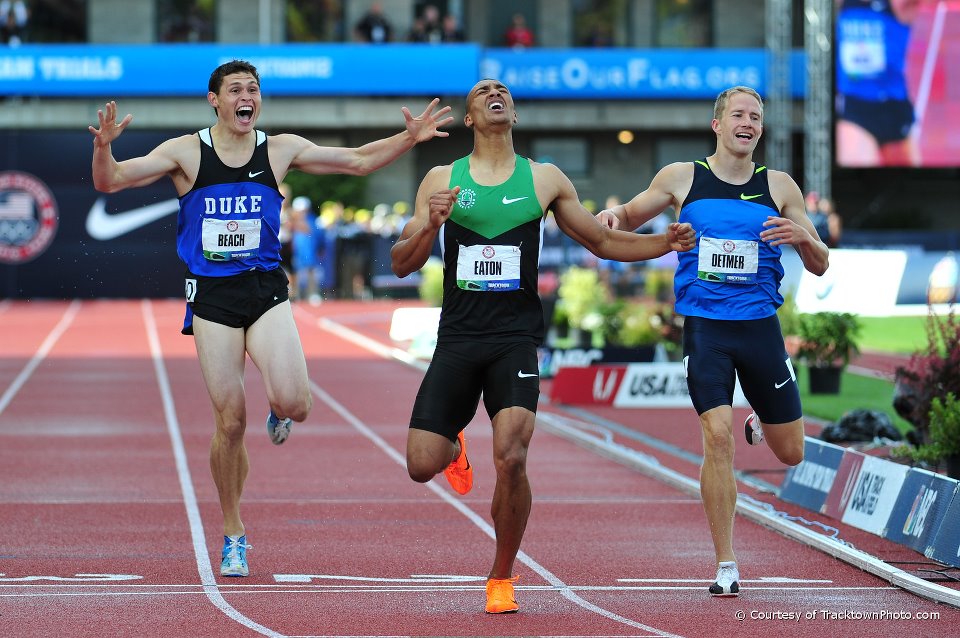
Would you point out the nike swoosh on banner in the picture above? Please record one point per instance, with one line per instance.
(104, 227)
(510, 201)
(524, 375)
(251, 174)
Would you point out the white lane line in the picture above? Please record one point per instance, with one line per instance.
(207, 579)
(40, 354)
(524, 558)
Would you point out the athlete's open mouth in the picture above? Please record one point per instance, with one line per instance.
(245, 113)
(745, 136)
(496, 105)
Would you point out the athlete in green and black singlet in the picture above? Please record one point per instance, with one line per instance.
(491, 251)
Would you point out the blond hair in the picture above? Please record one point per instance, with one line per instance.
(724, 97)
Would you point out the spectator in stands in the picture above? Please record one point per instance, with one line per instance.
(306, 254)
(518, 35)
(374, 27)
(834, 224)
(14, 17)
(451, 29)
(428, 28)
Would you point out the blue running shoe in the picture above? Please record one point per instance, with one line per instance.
(234, 556)
(278, 429)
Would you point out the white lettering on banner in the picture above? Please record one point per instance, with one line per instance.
(603, 389)
(578, 74)
(814, 476)
(294, 68)
(81, 68)
(17, 68)
(660, 385)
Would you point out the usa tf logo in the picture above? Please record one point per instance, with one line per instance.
(28, 217)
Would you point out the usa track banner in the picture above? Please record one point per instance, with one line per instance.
(635, 385)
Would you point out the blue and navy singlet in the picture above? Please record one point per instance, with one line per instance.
(229, 222)
(730, 273)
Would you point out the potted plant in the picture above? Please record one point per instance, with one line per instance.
(933, 371)
(943, 434)
(827, 342)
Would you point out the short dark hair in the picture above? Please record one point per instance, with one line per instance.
(228, 68)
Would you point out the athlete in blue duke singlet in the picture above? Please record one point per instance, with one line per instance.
(487, 209)
(727, 288)
(227, 236)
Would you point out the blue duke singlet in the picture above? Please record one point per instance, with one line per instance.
(491, 250)
(229, 222)
(730, 273)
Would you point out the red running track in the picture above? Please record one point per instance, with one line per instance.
(109, 523)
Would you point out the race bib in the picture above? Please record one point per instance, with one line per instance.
(863, 51)
(488, 268)
(227, 239)
(729, 261)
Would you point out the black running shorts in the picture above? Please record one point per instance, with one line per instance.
(888, 121)
(460, 372)
(716, 352)
(236, 301)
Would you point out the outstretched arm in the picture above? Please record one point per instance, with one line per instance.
(317, 160)
(433, 206)
(577, 222)
(109, 175)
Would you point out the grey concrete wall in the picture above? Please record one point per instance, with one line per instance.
(121, 21)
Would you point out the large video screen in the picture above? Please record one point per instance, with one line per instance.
(897, 83)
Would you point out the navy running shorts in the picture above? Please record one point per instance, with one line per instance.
(506, 374)
(888, 120)
(716, 352)
(236, 301)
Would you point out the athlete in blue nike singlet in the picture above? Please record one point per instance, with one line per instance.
(487, 212)
(728, 289)
(227, 236)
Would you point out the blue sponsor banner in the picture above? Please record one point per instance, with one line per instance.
(808, 483)
(920, 508)
(396, 69)
(685, 74)
(946, 544)
(289, 69)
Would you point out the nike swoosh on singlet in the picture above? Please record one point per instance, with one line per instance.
(524, 375)
(104, 226)
(251, 175)
(510, 201)
(745, 196)
(780, 385)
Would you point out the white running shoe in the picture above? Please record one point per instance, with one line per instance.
(233, 558)
(728, 580)
(752, 430)
(278, 429)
